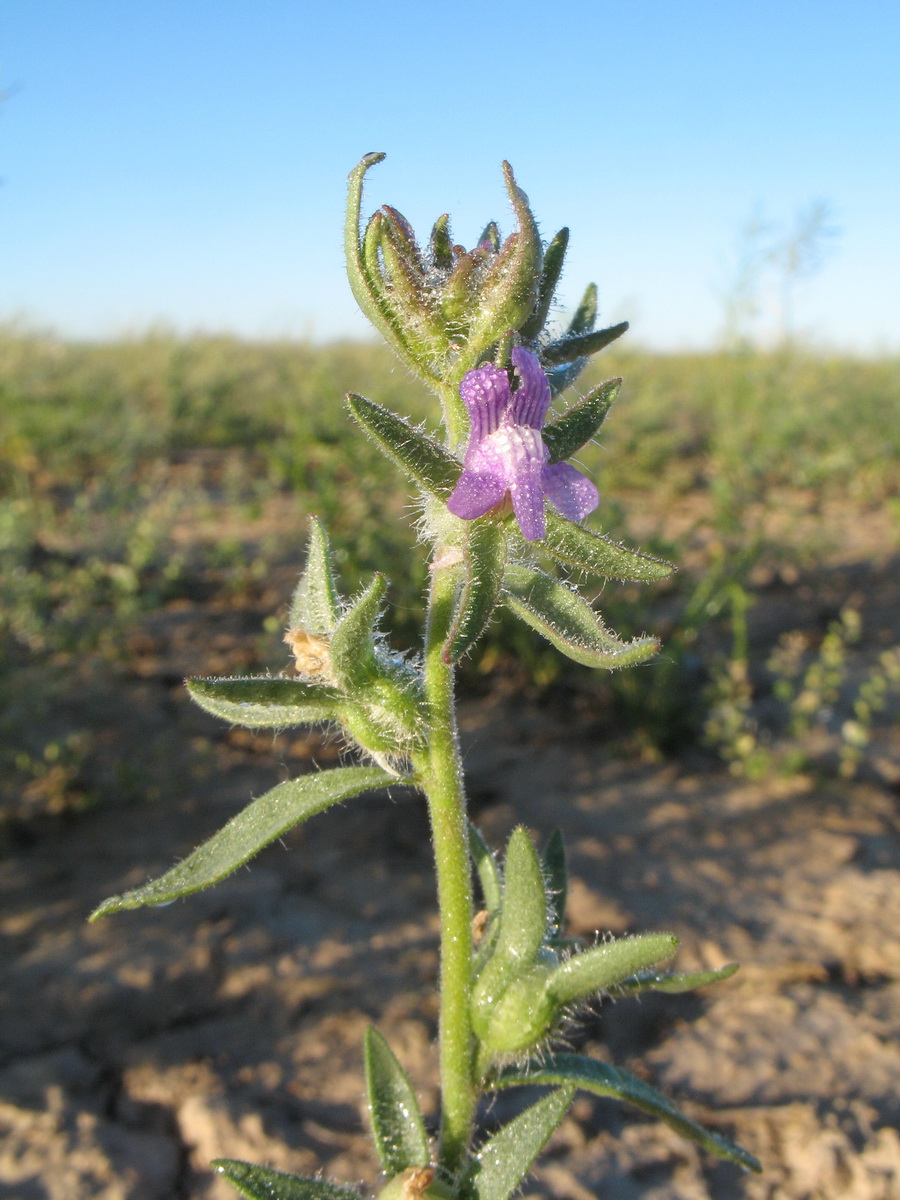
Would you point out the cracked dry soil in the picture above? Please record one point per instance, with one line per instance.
(137, 1049)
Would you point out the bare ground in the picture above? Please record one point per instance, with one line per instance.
(134, 1051)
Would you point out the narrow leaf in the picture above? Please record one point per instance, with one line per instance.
(556, 876)
(652, 981)
(261, 822)
(574, 429)
(570, 543)
(605, 1080)
(262, 1183)
(265, 703)
(353, 642)
(362, 284)
(585, 316)
(400, 1137)
(432, 467)
(523, 925)
(487, 869)
(501, 1164)
(602, 967)
(554, 256)
(441, 244)
(568, 622)
(561, 378)
(484, 560)
(316, 605)
(567, 349)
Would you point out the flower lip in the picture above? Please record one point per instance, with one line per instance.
(506, 455)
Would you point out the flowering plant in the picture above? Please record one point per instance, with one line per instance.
(470, 324)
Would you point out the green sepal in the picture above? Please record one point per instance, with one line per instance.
(502, 1162)
(602, 967)
(509, 288)
(361, 283)
(605, 1080)
(554, 256)
(523, 926)
(652, 981)
(491, 235)
(267, 702)
(441, 244)
(262, 1183)
(575, 428)
(568, 622)
(261, 822)
(585, 316)
(400, 1137)
(484, 552)
(408, 290)
(353, 642)
(487, 869)
(316, 604)
(578, 547)
(556, 877)
(429, 465)
(581, 345)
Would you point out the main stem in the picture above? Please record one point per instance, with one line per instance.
(443, 785)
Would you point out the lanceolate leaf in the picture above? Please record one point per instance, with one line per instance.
(602, 967)
(569, 543)
(581, 345)
(432, 467)
(585, 316)
(262, 1183)
(556, 876)
(568, 622)
(488, 871)
(267, 702)
(554, 256)
(353, 643)
(260, 823)
(400, 1137)
(485, 559)
(574, 429)
(316, 605)
(500, 1165)
(652, 981)
(604, 1080)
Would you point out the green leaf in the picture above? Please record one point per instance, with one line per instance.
(602, 967)
(523, 926)
(353, 641)
(432, 467)
(556, 876)
(484, 553)
(400, 1137)
(487, 869)
(260, 823)
(267, 702)
(574, 429)
(605, 1080)
(570, 543)
(500, 1165)
(554, 256)
(585, 317)
(262, 1183)
(652, 981)
(441, 244)
(567, 349)
(316, 605)
(568, 622)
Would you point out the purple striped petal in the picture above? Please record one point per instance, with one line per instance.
(531, 399)
(486, 394)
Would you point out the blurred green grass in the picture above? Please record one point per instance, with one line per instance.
(138, 473)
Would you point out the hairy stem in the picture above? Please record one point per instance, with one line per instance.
(443, 784)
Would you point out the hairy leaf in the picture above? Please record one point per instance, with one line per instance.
(580, 345)
(570, 543)
(487, 869)
(500, 1165)
(554, 256)
(267, 702)
(400, 1137)
(574, 429)
(568, 622)
(652, 981)
(262, 1183)
(260, 823)
(485, 558)
(429, 465)
(353, 642)
(556, 876)
(316, 605)
(602, 967)
(605, 1080)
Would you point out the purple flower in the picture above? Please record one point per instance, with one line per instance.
(506, 454)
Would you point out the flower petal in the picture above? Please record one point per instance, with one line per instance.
(486, 394)
(570, 492)
(482, 484)
(524, 455)
(531, 399)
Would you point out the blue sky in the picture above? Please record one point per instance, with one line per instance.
(183, 162)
